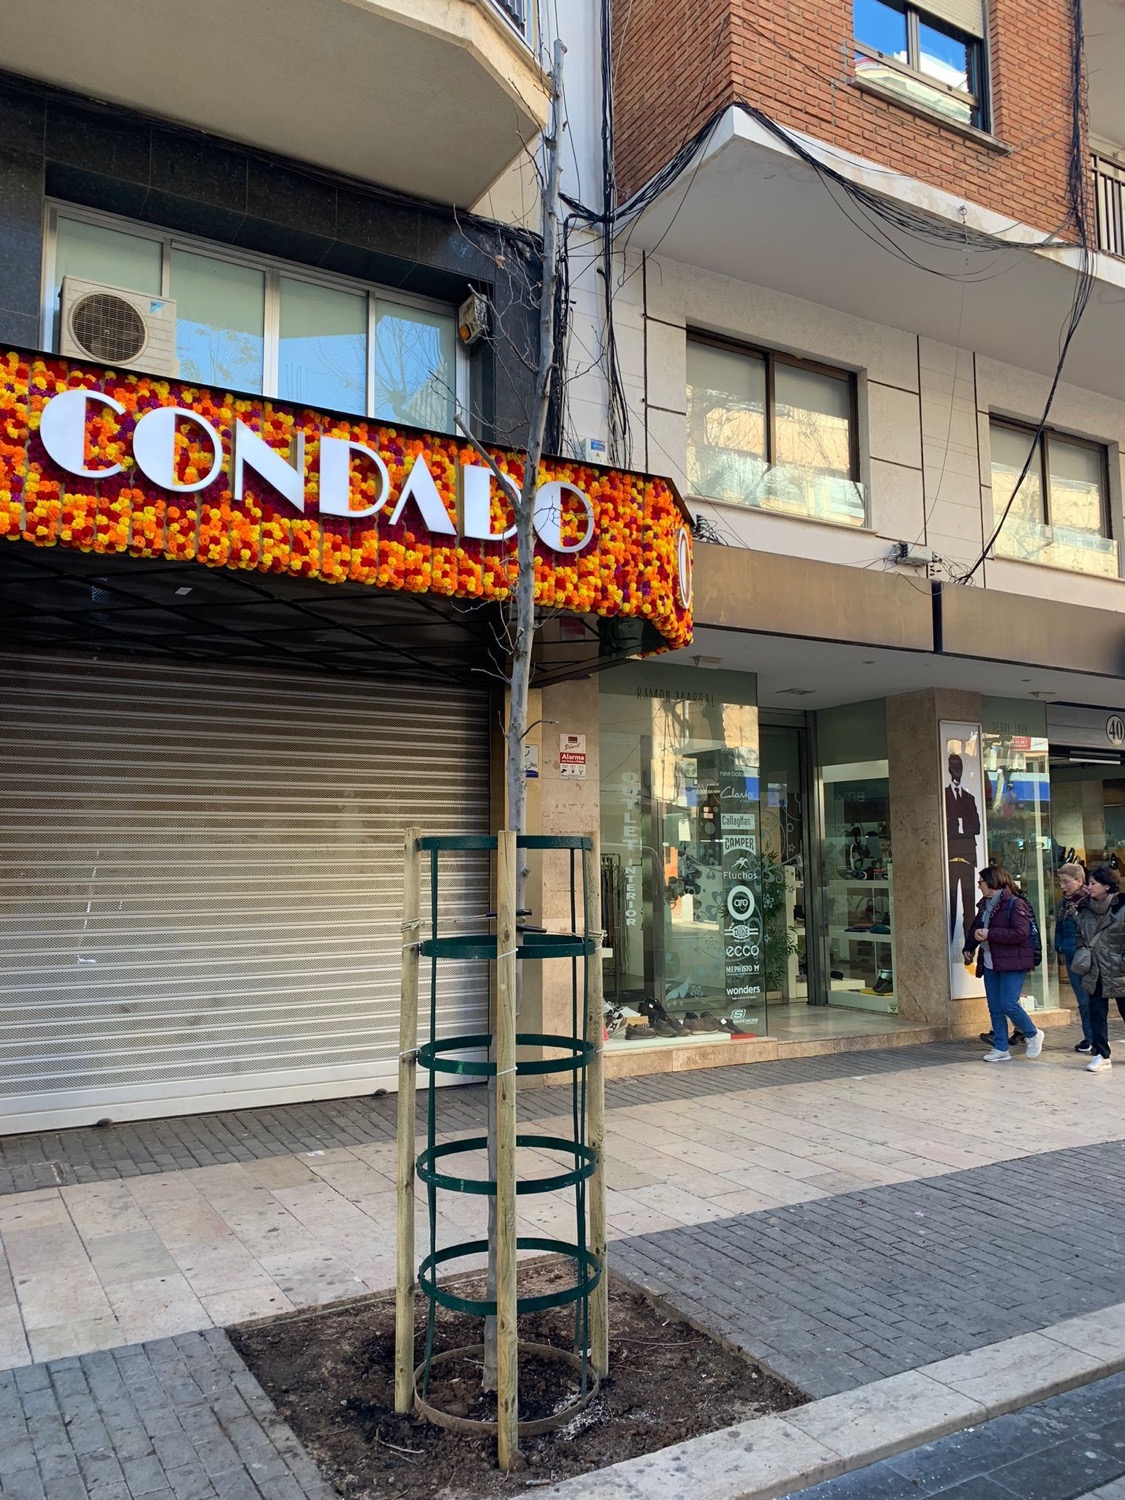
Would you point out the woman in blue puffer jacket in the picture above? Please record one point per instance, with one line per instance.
(1072, 883)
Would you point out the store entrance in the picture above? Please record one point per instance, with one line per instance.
(785, 859)
(1088, 807)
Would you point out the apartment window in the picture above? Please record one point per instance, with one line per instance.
(773, 432)
(931, 55)
(257, 325)
(1060, 513)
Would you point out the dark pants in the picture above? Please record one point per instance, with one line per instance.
(962, 878)
(1099, 1022)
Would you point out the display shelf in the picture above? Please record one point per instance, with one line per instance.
(834, 930)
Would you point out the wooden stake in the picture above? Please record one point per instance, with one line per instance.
(507, 1338)
(595, 1109)
(407, 1072)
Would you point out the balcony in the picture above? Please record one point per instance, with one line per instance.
(381, 90)
(1109, 195)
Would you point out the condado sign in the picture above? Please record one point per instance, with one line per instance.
(123, 462)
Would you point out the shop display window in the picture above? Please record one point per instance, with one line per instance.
(681, 855)
(859, 886)
(1018, 820)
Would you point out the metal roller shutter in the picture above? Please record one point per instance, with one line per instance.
(201, 882)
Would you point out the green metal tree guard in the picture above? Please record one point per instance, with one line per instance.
(580, 1062)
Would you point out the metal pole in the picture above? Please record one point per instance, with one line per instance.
(507, 1337)
(407, 1070)
(595, 1109)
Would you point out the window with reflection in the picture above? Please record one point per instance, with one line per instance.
(931, 55)
(771, 431)
(253, 324)
(1050, 499)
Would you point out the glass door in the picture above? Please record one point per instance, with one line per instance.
(859, 886)
(786, 952)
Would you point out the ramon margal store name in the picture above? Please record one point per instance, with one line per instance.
(108, 461)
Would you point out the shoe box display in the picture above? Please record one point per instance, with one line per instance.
(651, 1020)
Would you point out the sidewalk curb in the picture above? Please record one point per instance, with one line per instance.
(774, 1456)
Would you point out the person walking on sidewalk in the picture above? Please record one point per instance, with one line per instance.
(1000, 935)
(1072, 884)
(1100, 957)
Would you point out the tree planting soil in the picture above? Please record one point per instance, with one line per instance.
(331, 1375)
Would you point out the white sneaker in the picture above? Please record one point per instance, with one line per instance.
(1099, 1065)
(995, 1056)
(1035, 1043)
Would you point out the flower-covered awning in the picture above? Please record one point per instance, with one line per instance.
(121, 462)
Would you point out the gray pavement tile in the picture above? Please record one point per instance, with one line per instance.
(131, 1149)
(981, 1488)
(1048, 1451)
(834, 1319)
(107, 1427)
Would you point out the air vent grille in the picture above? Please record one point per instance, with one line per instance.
(109, 328)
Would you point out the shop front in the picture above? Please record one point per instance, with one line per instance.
(247, 644)
(747, 865)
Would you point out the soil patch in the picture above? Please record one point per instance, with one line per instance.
(331, 1375)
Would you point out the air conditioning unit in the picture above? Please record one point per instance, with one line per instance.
(128, 330)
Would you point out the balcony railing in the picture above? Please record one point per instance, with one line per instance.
(1109, 194)
(516, 12)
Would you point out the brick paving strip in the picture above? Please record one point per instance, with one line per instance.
(174, 1419)
(843, 1290)
(62, 1158)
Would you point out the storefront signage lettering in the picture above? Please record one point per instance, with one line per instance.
(631, 838)
(64, 430)
(109, 462)
(677, 695)
(741, 875)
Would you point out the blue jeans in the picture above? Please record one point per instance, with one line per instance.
(1083, 1005)
(1002, 991)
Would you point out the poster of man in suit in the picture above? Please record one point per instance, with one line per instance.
(965, 842)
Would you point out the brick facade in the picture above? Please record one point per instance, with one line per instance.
(677, 61)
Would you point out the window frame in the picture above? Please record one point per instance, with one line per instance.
(1043, 444)
(774, 357)
(977, 95)
(273, 268)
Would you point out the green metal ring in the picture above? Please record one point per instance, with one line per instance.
(431, 1055)
(554, 841)
(587, 1264)
(455, 841)
(480, 947)
(585, 1156)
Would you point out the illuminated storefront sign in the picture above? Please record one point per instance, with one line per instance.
(111, 463)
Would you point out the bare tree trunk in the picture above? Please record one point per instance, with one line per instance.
(521, 603)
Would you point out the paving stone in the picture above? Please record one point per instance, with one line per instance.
(1069, 1446)
(143, 1148)
(788, 1313)
(145, 1422)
